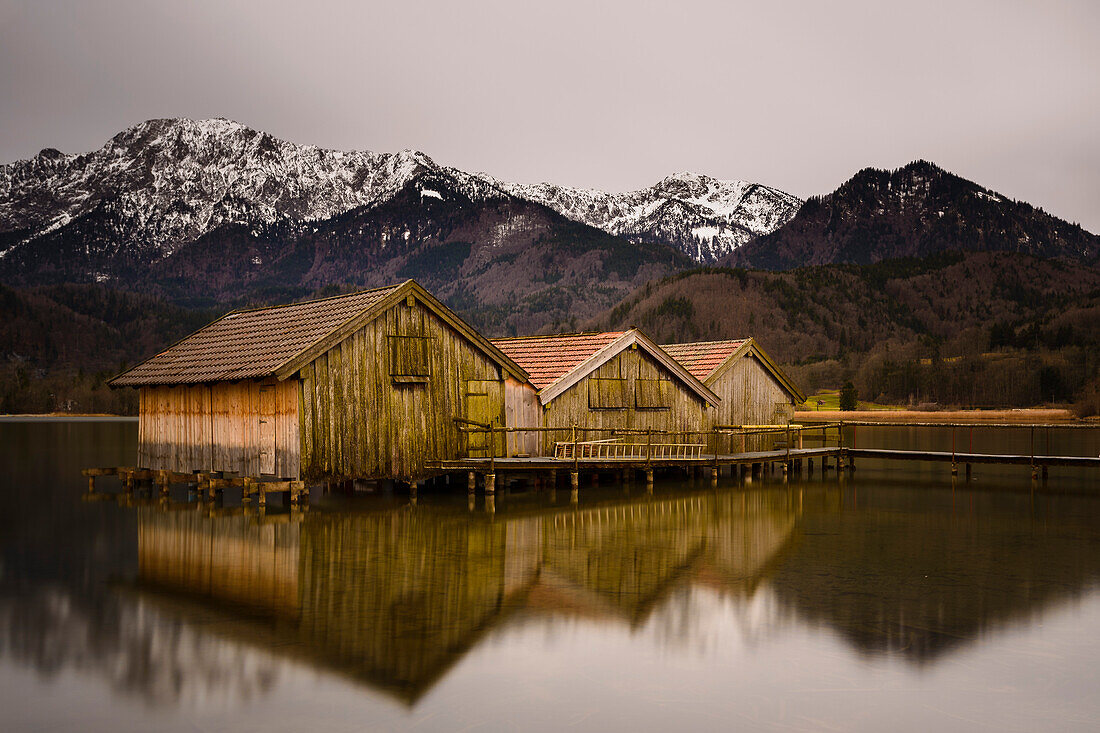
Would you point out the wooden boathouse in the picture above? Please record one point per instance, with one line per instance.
(752, 388)
(618, 380)
(364, 385)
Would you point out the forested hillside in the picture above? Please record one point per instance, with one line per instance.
(978, 329)
(59, 344)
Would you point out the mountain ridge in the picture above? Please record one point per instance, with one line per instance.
(169, 181)
(912, 211)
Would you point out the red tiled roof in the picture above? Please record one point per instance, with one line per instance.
(703, 357)
(250, 344)
(546, 359)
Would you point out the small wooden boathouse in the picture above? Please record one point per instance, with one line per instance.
(618, 380)
(365, 385)
(752, 388)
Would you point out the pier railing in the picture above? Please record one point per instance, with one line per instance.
(581, 441)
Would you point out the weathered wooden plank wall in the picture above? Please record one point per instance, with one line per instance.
(381, 403)
(616, 383)
(751, 396)
(216, 428)
(522, 410)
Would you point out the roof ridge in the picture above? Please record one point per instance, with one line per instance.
(313, 300)
(557, 335)
(706, 343)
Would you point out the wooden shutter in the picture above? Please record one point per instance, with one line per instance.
(607, 394)
(409, 356)
(652, 394)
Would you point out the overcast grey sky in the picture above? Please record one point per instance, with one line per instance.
(613, 95)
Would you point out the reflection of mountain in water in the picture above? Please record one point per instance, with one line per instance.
(892, 577)
(396, 598)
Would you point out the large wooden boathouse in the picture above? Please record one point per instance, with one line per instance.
(365, 385)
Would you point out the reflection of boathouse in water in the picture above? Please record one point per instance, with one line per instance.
(396, 597)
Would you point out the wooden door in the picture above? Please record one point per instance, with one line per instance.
(484, 400)
(267, 429)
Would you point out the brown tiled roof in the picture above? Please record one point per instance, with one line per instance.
(250, 344)
(703, 357)
(546, 359)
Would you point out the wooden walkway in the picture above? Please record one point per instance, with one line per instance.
(626, 458)
(948, 457)
(546, 463)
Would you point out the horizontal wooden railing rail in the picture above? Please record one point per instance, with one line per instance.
(902, 424)
(680, 446)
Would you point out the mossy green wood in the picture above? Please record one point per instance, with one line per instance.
(485, 406)
(366, 416)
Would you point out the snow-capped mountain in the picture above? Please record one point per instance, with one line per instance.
(163, 184)
(704, 217)
(168, 182)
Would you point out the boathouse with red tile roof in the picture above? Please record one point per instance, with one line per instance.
(752, 388)
(618, 380)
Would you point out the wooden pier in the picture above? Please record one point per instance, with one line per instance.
(627, 453)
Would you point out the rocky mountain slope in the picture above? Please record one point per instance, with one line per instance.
(160, 186)
(206, 212)
(911, 212)
(701, 216)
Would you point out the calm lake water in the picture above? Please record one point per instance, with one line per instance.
(890, 601)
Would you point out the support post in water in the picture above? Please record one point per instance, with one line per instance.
(471, 482)
(490, 484)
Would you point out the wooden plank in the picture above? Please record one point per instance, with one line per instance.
(946, 457)
(306, 390)
(267, 429)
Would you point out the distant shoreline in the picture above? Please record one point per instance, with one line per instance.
(1024, 416)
